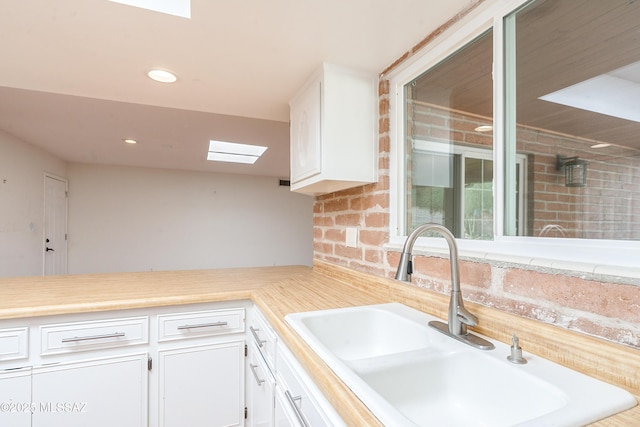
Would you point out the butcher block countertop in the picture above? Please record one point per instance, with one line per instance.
(278, 291)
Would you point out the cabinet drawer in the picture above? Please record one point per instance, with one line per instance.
(200, 323)
(14, 343)
(264, 338)
(295, 385)
(81, 336)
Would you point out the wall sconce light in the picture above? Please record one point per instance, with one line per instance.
(575, 170)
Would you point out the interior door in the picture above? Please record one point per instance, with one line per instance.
(55, 225)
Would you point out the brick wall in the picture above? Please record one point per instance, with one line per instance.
(604, 209)
(603, 308)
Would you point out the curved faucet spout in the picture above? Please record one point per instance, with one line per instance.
(405, 268)
(459, 316)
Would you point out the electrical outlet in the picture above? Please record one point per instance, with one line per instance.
(352, 237)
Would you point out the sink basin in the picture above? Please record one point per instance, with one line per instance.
(409, 374)
(363, 332)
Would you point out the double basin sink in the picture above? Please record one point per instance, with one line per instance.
(409, 374)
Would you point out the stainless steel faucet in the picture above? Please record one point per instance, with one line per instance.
(458, 317)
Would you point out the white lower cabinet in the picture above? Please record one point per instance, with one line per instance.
(295, 401)
(306, 406)
(202, 385)
(98, 393)
(284, 415)
(260, 390)
(148, 367)
(15, 397)
(194, 365)
(200, 369)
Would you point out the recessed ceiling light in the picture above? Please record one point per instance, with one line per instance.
(484, 128)
(130, 141)
(221, 151)
(162, 76)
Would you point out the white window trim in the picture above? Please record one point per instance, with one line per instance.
(600, 257)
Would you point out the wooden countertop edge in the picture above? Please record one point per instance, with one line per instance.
(61, 309)
(284, 290)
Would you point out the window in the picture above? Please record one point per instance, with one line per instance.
(575, 68)
(449, 161)
(518, 130)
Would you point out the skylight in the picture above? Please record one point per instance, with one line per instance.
(615, 93)
(220, 151)
(181, 8)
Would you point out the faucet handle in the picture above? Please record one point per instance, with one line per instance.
(466, 317)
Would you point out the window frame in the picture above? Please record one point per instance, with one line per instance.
(463, 153)
(606, 257)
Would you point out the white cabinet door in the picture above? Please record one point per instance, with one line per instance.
(284, 415)
(305, 133)
(98, 393)
(202, 385)
(15, 398)
(260, 391)
(333, 139)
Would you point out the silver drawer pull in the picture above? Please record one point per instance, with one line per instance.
(94, 337)
(256, 337)
(202, 325)
(296, 409)
(255, 374)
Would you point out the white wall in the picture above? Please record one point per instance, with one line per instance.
(134, 219)
(22, 171)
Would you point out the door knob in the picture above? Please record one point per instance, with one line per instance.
(49, 249)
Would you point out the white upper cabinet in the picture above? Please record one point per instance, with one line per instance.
(334, 131)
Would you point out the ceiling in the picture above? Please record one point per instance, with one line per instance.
(73, 78)
(559, 44)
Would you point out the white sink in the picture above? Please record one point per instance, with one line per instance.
(409, 374)
(363, 332)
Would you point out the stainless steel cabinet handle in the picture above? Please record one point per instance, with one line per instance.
(202, 325)
(296, 409)
(256, 337)
(255, 374)
(93, 337)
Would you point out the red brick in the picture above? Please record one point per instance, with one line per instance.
(383, 107)
(348, 219)
(376, 220)
(335, 235)
(607, 299)
(345, 252)
(373, 238)
(323, 221)
(317, 234)
(433, 267)
(475, 274)
(370, 201)
(383, 163)
(335, 205)
(373, 255)
(393, 258)
(325, 248)
(383, 87)
(383, 125)
(384, 144)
